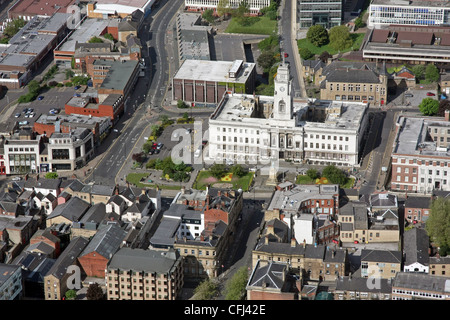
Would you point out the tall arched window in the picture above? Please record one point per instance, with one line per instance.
(282, 106)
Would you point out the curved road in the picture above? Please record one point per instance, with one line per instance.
(149, 91)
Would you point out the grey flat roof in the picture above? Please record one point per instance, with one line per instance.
(412, 138)
(216, 71)
(119, 74)
(144, 260)
(86, 30)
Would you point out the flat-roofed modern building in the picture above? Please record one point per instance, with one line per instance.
(28, 47)
(408, 44)
(406, 12)
(328, 13)
(420, 156)
(202, 5)
(137, 274)
(202, 82)
(82, 33)
(105, 9)
(26, 9)
(70, 151)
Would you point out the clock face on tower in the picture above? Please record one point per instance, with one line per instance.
(282, 89)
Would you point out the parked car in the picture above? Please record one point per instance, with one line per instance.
(77, 87)
(40, 97)
(409, 94)
(22, 123)
(17, 115)
(159, 146)
(430, 94)
(286, 55)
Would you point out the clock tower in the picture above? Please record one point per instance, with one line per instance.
(282, 104)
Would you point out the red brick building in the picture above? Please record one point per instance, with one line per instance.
(101, 248)
(112, 106)
(29, 8)
(49, 238)
(417, 209)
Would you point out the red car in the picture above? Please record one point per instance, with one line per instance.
(430, 94)
(286, 55)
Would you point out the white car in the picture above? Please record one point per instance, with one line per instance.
(22, 123)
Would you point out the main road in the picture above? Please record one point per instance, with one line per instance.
(116, 150)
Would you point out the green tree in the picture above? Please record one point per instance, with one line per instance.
(359, 23)
(181, 104)
(269, 43)
(266, 60)
(71, 294)
(95, 40)
(208, 15)
(432, 73)
(419, 71)
(241, 13)
(438, 223)
(13, 27)
(305, 53)
(218, 170)
(95, 292)
(235, 289)
(206, 290)
(317, 35)
(339, 37)
(51, 175)
(334, 175)
(429, 107)
(223, 8)
(313, 174)
(238, 170)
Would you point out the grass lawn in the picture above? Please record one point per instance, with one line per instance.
(259, 25)
(204, 178)
(304, 179)
(356, 37)
(135, 178)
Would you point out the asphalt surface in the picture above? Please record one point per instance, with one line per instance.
(147, 96)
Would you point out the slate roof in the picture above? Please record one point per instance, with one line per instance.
(72, 210)
(358, 284)
(95, 214)
(269, 276)
(12, 207)
(386, 256)
(106, 241)
(75, 185)
(68, 257)
(421, 282)
(102, 190)
(349, 71)
(415, 245)
(41, 247)
(418, 202)
(43, 183)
